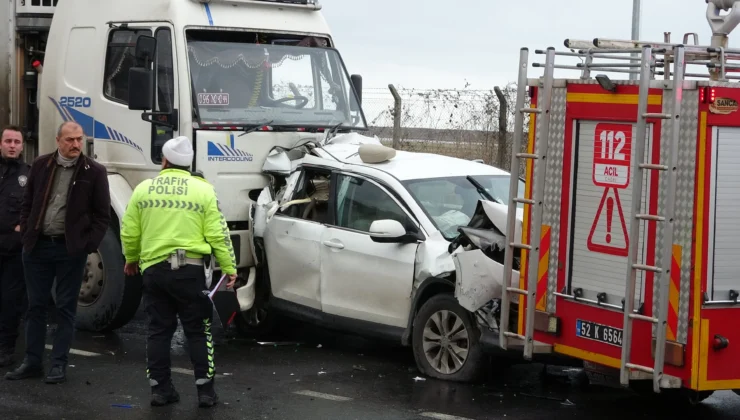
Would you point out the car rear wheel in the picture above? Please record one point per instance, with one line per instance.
(446, 341)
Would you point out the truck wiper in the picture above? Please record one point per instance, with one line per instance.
(481, 190)
(255, 127)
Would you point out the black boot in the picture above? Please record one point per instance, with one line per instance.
(164, 394)
(25, 371)
(207, 396)
(57, 375)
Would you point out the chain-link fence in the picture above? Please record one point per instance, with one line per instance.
(462, 123)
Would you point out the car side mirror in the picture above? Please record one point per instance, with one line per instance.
(391, 231)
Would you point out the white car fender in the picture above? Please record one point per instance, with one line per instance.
(479, 279)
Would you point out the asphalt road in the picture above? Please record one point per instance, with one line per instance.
(314, 374)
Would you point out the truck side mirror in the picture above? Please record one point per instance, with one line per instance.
(146, 47)
(141, 89)
(357, 84)
(141, 77)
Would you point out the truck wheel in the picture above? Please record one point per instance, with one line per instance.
(260, 320)
(256, 322)
(445, 341)
(108, 298)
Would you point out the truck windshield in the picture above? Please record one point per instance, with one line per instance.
(251, 84)
(450, 202)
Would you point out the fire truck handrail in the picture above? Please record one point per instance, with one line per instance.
(717, 60)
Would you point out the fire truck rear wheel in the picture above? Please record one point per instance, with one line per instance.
(108, 298)
(445, 341)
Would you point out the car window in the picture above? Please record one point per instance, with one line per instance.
(451, 202)
(360, 202)
(309, 199)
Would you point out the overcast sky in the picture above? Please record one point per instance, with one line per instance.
(433, 44)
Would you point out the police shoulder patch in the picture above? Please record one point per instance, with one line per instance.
(22, 180)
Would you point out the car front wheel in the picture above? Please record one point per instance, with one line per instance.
(446, 341)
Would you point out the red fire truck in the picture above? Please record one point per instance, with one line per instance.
(631, 237)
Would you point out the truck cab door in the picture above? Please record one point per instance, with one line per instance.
(123, 139)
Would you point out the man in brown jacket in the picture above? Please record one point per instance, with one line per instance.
(64, 216)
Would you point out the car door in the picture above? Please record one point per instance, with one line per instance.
(292, 246)
(362, 279)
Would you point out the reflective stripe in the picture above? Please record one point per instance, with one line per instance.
(209, 347)
(171, 204)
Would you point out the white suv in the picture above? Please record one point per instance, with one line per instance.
(355, 236)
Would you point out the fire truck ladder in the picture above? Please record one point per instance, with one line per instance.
(662, 272)
(535, 227)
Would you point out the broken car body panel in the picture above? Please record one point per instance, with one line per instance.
(480, 267)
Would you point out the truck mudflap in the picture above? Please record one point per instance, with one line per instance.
(478, 254)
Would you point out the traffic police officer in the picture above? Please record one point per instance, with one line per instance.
(13, 301)
(171, 223)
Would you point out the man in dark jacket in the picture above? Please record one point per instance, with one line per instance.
(13, 179)
(65, 214)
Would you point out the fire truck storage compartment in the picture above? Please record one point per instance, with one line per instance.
(601, 224)
(724, 229)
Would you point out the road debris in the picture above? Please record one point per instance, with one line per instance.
(278, 343)
(122, 405)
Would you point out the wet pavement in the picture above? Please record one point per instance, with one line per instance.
(308, 373)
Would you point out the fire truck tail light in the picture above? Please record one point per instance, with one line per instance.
(707, 95)
(720, 342)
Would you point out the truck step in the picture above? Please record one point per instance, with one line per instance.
(641, 368)
(644, 267)
(517, 343)
(651, 217)
(524, 201)
(644, 318)
(653, 167)
(515, 290)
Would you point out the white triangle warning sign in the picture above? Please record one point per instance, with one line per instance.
(609, 230)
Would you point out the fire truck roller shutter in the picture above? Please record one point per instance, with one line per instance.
(725, 202)
(598, 247)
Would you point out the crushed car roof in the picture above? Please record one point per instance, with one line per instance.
(408, 165)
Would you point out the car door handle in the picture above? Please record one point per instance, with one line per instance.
(336, 245)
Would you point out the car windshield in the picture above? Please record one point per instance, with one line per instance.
(450, 202)
(251, 84)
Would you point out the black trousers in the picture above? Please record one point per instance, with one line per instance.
(46, 262)
(13, 300)
(168, 294)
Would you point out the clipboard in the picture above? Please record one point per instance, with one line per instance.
(225, 302)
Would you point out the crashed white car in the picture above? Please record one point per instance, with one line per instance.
(357, 237)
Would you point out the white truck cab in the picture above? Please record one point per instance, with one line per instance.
(238, 77)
